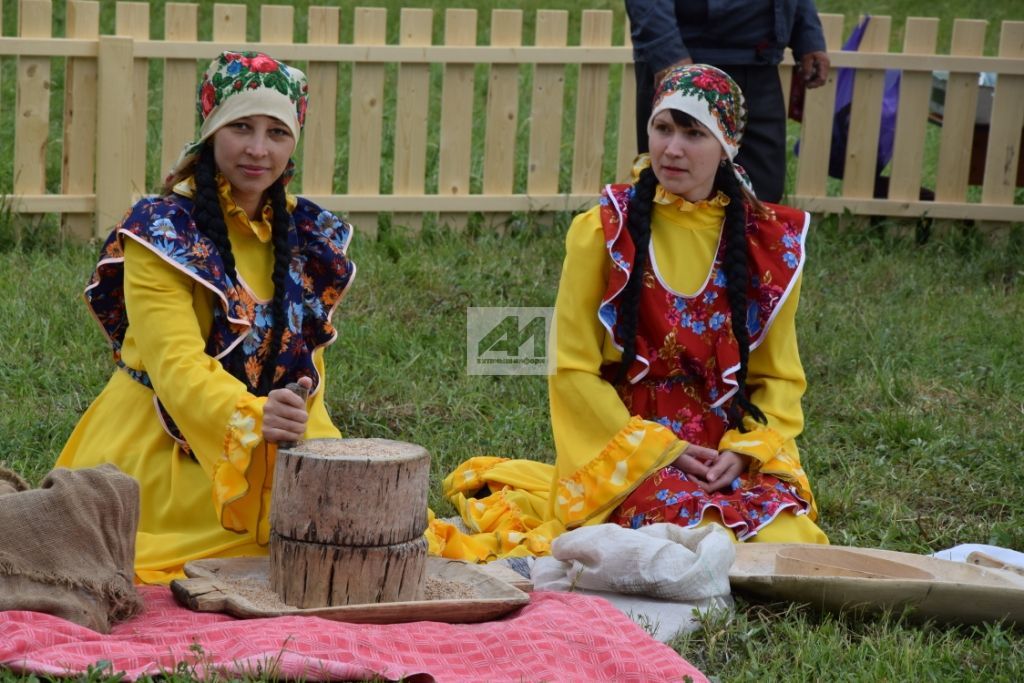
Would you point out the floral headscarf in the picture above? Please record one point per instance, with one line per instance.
(239, 84)
(711, 97)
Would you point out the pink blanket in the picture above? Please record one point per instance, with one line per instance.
(556, 637)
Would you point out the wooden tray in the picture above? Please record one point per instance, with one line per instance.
(212, 586)
(838, 577)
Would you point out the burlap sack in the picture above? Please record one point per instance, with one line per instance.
(68, 547)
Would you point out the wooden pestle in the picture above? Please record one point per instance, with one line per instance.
(303, 392)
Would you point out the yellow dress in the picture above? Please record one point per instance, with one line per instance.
(188, 505)
(602, 452)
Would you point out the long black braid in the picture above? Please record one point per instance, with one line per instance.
(209, 218)
(639, 225)
(280, 225)
(737, 276)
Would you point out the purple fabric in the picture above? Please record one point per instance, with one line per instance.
(844, 99)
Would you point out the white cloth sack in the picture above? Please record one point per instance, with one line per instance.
(662, 576)
(959, 553)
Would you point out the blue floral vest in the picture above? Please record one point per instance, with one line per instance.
(319, 274)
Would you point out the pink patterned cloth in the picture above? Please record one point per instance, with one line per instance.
(556, 637)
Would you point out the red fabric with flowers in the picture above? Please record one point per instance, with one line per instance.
(687, 357)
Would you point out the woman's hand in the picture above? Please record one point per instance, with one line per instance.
(726, 467)
(284, 414)
(695, 461)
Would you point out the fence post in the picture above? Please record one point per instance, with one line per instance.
(816, 128)
(79, 153)
(912, 115)
(228, 23)
(321, 120)
(113, 175)
(591, 106)
(277, 24)
(860, 168)
(411, 110)
(133, 21)
(958, 112)
(456, 113)
(626, 150)
(32, 108)
(366, 123)
(1002, 157)
(546, 107)
(502, 106)
(179, 113)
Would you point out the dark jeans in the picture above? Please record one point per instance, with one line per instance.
(763, 147)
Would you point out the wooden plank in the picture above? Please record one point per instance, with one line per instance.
(277, 24)
(79, 154)
(367, 122)
(958, 115)
(228, 26)
(502, 106)
(579, 202)
(786, 67)
(178, 128)
(113, 178)
(920, 35)
(591, 106)
(440, 54)
(214, 585)
(546, 107)
(956, 210)
(461, 203)
(865, 115)
(456, 112)
(50, 203)
(816, 129)
(626, 150)
(133, 21)
(32, 102)
(1002, 158)
(411, 111)
(321, 119)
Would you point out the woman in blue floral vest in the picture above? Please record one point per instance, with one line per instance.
(213, 297)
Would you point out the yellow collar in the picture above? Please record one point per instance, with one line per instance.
(666, 198)
(234, 216)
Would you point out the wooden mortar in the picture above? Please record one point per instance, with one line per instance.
(347, 518)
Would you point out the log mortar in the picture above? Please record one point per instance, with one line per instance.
(347, 518)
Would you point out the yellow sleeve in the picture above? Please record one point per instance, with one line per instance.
(602, 453)
(221, 421)
(320, 425)
(776, 381)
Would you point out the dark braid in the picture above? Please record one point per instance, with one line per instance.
(639, 224)
(737, 275)
(282, 261)
(209, 217)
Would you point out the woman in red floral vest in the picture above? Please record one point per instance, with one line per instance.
(677, 389)
(678, 384)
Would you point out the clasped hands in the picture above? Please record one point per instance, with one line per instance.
(284, 414)
(712, 470)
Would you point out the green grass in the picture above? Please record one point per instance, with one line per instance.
(914, 409)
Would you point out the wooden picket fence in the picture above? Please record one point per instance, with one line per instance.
(106, 97)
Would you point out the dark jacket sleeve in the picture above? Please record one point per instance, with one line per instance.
(807, 35)
(656, 38)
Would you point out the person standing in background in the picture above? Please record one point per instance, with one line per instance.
(746, 39)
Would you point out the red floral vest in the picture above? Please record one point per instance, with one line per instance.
(686, 356)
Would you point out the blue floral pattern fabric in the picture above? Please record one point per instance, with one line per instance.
(319, 274)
